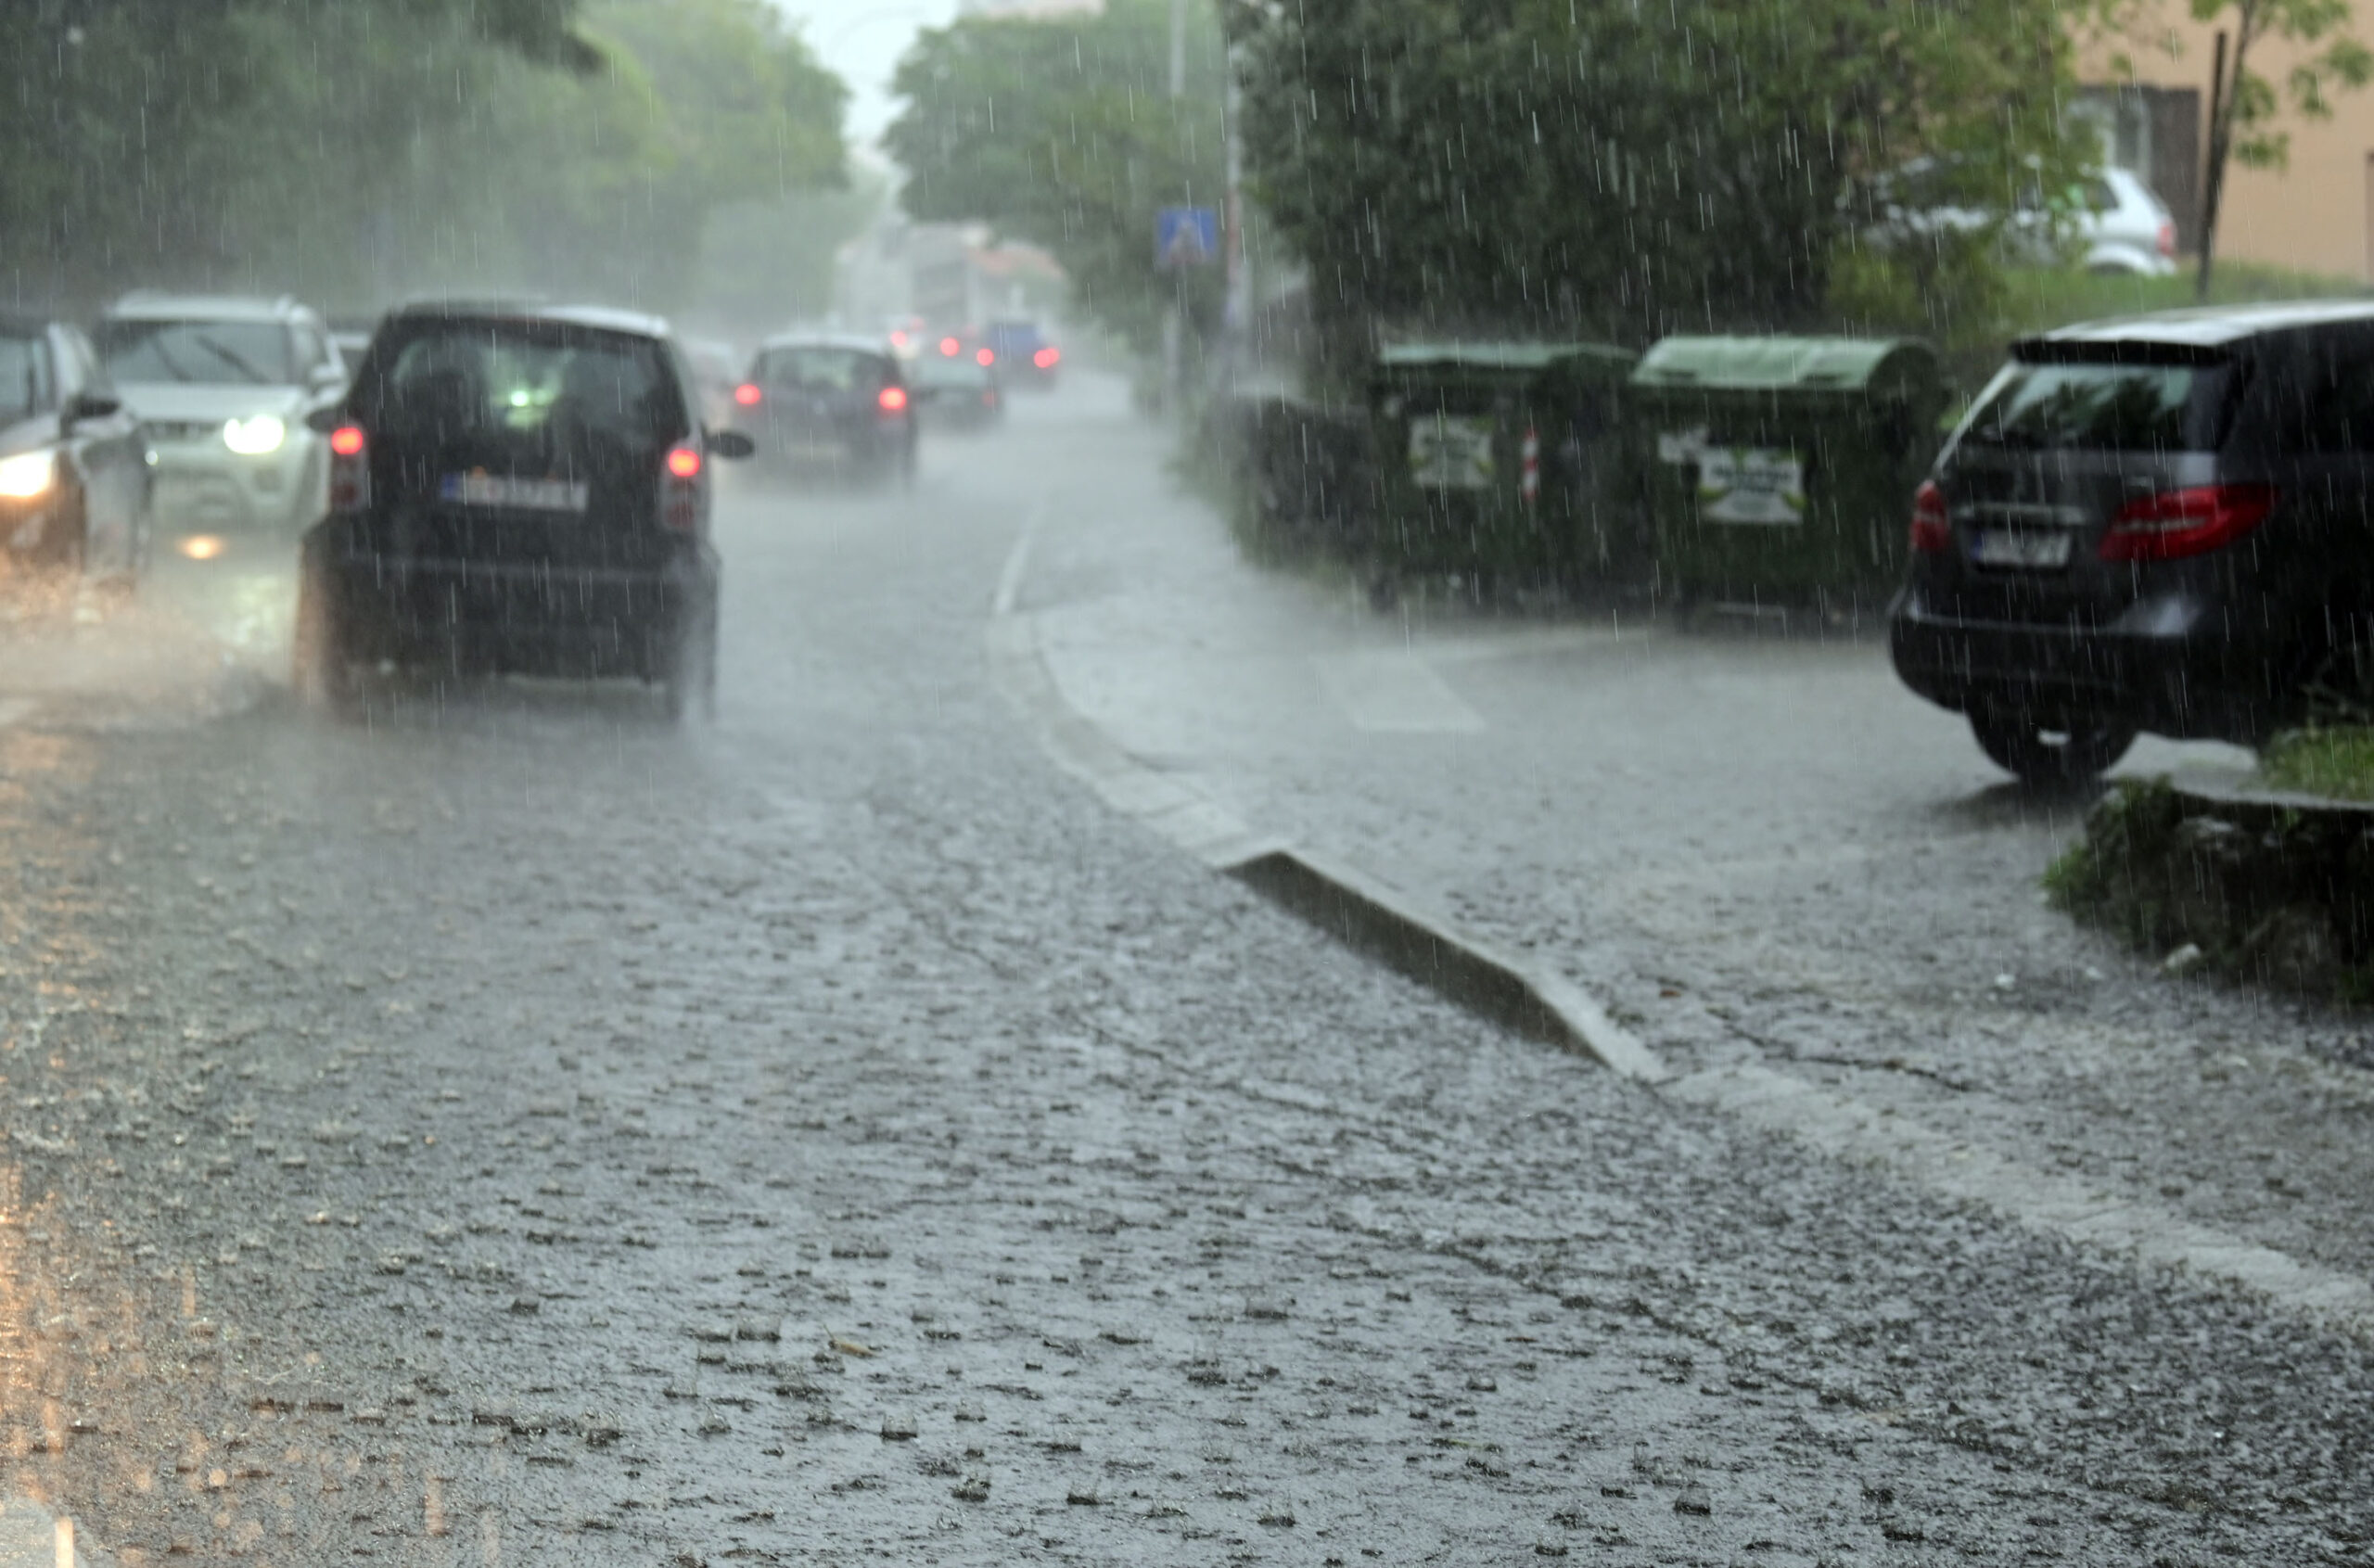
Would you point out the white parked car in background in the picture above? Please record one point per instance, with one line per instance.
(224, 387)
(2111, 221)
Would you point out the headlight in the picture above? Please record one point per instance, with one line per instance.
(257, 437)
(28, 474)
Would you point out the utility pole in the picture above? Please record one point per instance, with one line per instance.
(1174, 326)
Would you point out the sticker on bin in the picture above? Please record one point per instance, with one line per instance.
(1451, 452)
(509, 491)
(1759, 484)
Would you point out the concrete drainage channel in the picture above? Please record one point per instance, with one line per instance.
(1387, 925)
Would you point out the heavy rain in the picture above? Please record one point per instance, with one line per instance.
(1191, 781)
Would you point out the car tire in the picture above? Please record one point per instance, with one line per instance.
(322, 666)
(690, 683)
(2016, 742)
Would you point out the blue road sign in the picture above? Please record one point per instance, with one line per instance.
(1186, 236)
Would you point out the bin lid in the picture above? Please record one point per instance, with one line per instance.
(1520, 356)
(1801, 364)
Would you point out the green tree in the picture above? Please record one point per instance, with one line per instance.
(2246, 107)
(1062, 131)
(1626, 171)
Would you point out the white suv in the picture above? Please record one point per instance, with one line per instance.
(224, 387)
(2110, 222)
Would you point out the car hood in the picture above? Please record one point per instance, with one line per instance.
(173, 402)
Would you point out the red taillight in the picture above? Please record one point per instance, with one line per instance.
(893, 399)
(2177, 523)
(349, 469)
(1045, 359)
(680, 500)
(985, 356)
(897, 339)
(1932, 524)
(747, 394)
(2167, 238)
(950, 348)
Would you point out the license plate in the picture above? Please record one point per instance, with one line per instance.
(516, 493)
(2012, 547)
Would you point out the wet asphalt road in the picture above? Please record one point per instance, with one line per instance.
(514, 1131)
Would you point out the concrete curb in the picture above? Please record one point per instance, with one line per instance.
(1380, 922)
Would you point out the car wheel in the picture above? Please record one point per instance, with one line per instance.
(322, 667)
(691, 679)
(2016, 742)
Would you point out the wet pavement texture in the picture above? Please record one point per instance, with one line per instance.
(514, 1129)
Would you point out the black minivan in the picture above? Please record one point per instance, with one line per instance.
(517, 490)
(2165, 524)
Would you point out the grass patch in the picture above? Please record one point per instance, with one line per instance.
(2337, 762)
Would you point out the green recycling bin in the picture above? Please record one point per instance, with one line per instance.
(1503, 460)
(1779, 471)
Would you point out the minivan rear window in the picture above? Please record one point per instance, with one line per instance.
(530, 381)
(2104, 405)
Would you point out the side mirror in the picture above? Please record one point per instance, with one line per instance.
(731, 445)
(321, 421)
(88, 405)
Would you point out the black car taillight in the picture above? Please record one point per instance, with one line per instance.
(2178, 523)
(350, 468)
(680, 488)
(1932, 524)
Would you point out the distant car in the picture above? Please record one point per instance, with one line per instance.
(225, 386)
(351, 343)
(517, 489)
(819, 402)
(956, 392)
(75, 472)
(1022, 354)
(2114, 223)
(716, 369)
(2154, 524)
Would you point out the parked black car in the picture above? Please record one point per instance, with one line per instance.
(2156, 524)
(839, 405)
(75, 475)
(517, 490)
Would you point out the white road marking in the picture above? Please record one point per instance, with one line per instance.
(1388, 691)
(1017, 561)
(1856, 1133)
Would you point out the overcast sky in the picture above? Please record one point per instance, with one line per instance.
(862, 40)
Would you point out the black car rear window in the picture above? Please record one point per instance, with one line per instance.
(522, 379)
(821, 368)
(2105, 404)
(2325, 399)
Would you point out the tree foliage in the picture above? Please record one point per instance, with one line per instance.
(351, 149)
(1062, 132)
(2247, 126)
(1621, 170)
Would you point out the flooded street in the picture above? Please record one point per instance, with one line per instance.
(510, 1128)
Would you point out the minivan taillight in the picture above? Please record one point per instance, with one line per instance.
(680, 488)
(2177, 523)
(1933, 525)
(349, 469)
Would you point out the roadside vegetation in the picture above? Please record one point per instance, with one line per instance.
(2337, 762)
(353, 152)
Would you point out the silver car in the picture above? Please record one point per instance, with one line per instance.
(2110, 222)
(224, 385)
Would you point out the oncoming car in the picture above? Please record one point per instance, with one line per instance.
(517, 490)
(2156, 523)
(225, 387)
(74, 473)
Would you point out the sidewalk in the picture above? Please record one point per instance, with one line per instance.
(1759, 855)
